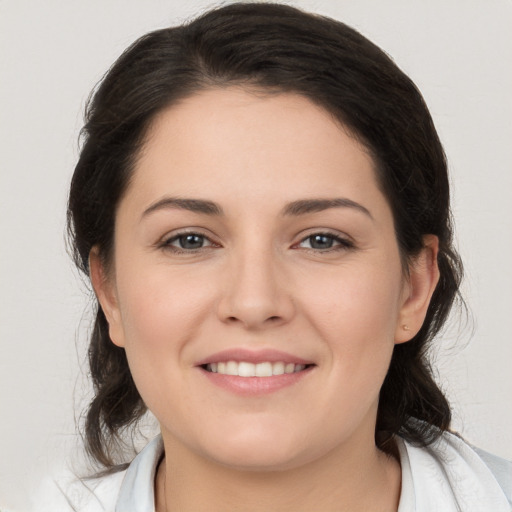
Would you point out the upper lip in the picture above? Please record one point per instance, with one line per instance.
(253, 356)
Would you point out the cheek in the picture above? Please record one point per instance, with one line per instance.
(162, 312)
(357, 303)
(355, 318)
(162, 304)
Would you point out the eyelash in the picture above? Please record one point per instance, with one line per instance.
(166, 244)
(342, 244)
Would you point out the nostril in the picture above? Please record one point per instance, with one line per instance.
(271, 319)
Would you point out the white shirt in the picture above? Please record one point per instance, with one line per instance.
(448, 476)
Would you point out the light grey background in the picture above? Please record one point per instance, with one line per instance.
(53, 52)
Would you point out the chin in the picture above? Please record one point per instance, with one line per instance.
(257, 450)
(258, 460)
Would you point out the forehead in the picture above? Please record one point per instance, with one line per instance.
(238, 141)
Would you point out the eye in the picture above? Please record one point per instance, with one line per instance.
(325, 242)
(183, 242)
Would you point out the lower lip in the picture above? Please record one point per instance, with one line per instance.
(252, 386)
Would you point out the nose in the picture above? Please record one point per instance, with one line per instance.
(256, 292)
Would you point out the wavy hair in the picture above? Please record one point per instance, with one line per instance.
(275, 48)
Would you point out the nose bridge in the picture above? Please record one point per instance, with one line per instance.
(255, 292)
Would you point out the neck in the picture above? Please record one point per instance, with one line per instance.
(347, 479)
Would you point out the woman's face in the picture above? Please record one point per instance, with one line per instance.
(254, 240)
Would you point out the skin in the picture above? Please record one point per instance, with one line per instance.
(259, 281)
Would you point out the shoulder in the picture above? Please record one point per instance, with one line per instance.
(66, 492)
(450, 471)
(500, 468)
(131, 489)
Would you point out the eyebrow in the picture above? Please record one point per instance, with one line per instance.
(295, 208)
(194, 205)
(305, 206)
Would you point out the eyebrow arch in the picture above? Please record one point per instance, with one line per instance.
(295, 208)
(305, 206)
(193, 205)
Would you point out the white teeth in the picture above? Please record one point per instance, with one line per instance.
(289, 368)
(278, 369)
(245, 369)
(231, 368)
(264, 370)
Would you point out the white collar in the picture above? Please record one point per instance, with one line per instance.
(137, 493)
(447, 476)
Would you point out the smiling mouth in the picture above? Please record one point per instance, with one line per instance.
(246, 369)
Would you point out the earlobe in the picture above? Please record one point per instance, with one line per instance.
(104, 288)
(421, 284)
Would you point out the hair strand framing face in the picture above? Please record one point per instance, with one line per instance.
(269, 48)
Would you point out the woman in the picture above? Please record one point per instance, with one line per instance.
(262, 206)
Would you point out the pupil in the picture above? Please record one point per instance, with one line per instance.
(321, 242)
(191, 241)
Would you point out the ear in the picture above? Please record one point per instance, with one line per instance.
(419, 287)
(105, 290)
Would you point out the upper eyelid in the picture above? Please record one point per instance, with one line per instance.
(179, 235)
(342, 241)
(166, 243)
(175, 234)
(326, 232)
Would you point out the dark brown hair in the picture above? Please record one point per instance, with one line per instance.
(275, 48)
